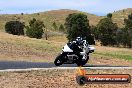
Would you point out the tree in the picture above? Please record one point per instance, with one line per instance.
(77, 24)
(119, 36)
(126, 41)
(35, 29)
(107, 30)
(55, 26)
(46, 34)
(128, 31)
(61, 28)
(109, 15)
(22, 13)
(14, 27)
(95, 32)
(38, 13)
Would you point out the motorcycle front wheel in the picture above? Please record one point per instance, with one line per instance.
(58, 61)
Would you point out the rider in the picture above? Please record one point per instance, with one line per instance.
(77, 46)
(80, 42)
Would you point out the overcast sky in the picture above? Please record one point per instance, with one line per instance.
(98, 7)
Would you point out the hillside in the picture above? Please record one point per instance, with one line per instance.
(119, 16)
(47, 17)
(22, 48)
(59, 16)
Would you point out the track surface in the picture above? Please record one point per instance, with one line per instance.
(26, 65)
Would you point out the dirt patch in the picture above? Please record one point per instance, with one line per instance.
(55, 79)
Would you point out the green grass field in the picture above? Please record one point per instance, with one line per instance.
(115, 55)
(121, 53)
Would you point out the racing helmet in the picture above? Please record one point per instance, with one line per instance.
(79, 40)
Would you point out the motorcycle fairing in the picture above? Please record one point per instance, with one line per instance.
(67, 49)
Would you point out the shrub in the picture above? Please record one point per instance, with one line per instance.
(62, 29)
(35, 29)
(55, 27)
(14, 27)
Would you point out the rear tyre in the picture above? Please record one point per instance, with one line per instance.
(58, 61)
(81, 62)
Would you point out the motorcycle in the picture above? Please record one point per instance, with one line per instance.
(75, 52)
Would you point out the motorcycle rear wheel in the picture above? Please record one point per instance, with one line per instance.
(81, 62)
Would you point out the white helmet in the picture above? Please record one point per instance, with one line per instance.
(79, 39)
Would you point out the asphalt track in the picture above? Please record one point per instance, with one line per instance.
(17, 65)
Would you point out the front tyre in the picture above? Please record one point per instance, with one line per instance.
(58, 61)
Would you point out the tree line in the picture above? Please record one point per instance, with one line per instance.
(77, 24)
(106, 31)
(34, 29)
(110, 34)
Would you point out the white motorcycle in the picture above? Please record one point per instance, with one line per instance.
(75, 52)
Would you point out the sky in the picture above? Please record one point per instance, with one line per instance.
(98, 7)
